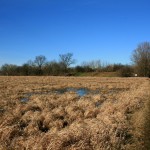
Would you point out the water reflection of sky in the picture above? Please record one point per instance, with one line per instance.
(79, 91)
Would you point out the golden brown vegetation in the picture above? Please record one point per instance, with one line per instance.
(112, 118)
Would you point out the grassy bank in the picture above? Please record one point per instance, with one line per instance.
(140, 121)
(147, 126)
(97, 74)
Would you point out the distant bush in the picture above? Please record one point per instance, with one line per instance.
(126, 71)
(112, 67)
(79, 69)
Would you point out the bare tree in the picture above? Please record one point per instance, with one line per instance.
(141, 59)
(9, 69)
(30, 63)
(66, 60)
(94, 64)
(40, 61)
(28, 68)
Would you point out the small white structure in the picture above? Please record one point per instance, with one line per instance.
(135, 75)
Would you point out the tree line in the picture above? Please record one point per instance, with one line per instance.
(41, 66)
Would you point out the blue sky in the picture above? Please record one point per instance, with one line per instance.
(108, 30)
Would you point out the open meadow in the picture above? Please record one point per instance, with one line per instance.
(74, 113)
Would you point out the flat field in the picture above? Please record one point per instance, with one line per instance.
(74, 113)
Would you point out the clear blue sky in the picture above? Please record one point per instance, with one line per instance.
(108, 30)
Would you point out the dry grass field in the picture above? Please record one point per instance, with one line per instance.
(74, 113)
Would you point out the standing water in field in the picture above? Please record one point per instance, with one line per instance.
(79, 91)
(82, 92)
(26, 98)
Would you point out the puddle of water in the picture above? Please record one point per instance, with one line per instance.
(79, 91)
(61, 91)
(82, 92)
(25, 99)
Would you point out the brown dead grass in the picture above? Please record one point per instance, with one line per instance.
(113, 118)
(147, 124)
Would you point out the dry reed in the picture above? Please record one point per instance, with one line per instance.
(101, 120)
